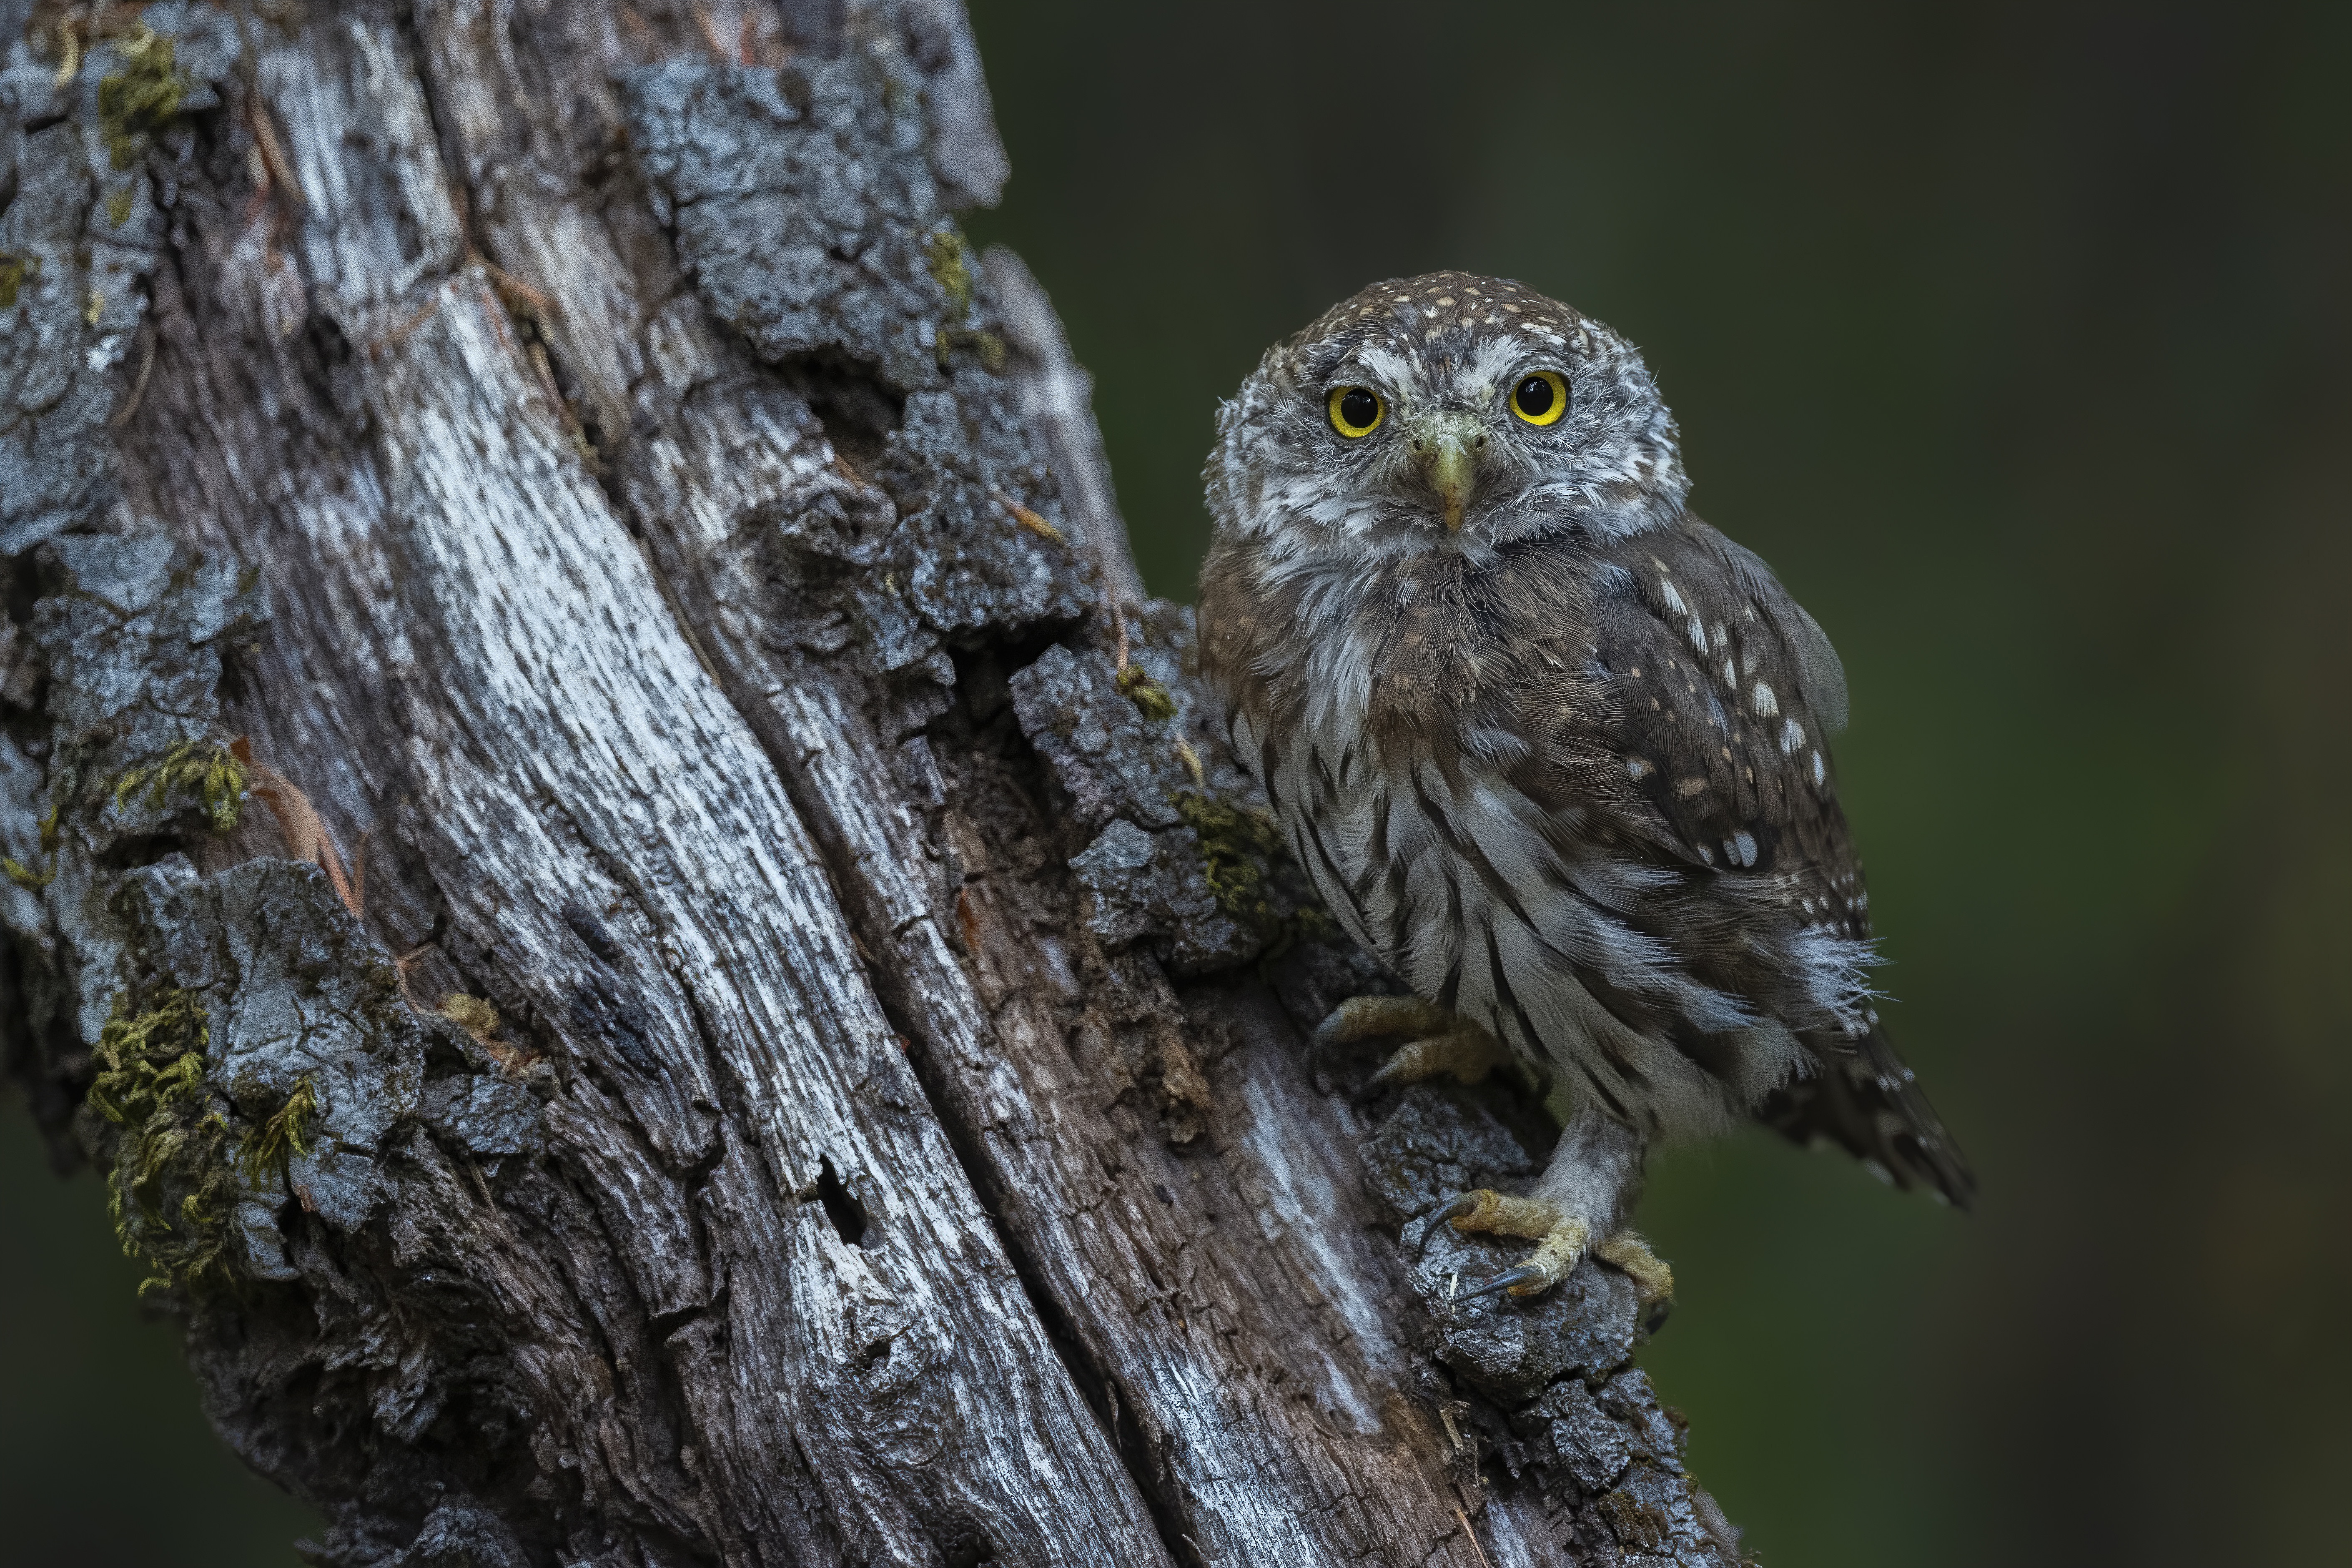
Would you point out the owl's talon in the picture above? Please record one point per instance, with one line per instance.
(1454, 1207)
(1365, 1018)
(1444, 1045)
(1369, 1017)
(1525, 1280)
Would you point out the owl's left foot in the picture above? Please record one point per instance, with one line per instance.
(1437, 1043)
(1560, 1238)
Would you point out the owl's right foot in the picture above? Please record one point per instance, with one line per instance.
(1437, 1043)
(1561, 1239)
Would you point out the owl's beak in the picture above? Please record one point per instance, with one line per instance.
(1451, 448)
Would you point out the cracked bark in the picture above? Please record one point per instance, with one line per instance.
(572, 443)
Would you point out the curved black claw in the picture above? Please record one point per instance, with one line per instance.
(1524, 1274)
(1451, 1208)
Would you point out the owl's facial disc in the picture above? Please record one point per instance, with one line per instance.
(1447, 412)
(1450, 447)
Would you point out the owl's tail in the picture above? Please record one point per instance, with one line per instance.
(1863, 1099)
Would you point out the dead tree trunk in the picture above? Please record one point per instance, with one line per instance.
(753, 1024)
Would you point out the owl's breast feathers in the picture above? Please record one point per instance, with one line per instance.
(1582, 793)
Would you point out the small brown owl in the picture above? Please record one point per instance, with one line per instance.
(1552, 748)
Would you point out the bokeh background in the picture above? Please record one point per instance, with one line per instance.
(2017, 338)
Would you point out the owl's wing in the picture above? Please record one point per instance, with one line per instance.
(1725, 694)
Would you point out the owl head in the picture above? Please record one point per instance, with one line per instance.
(1448, 411)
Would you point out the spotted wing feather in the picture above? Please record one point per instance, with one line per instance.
(1725, 693)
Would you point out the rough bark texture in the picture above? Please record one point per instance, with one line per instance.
(741, 1035)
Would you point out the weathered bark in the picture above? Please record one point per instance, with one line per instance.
(574, 447)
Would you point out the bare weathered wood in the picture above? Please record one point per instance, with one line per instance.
(1057, 405)
(480, 639)
(686, 575)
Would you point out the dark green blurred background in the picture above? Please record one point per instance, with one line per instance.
(2017, 338)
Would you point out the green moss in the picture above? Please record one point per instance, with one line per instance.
(1236, 841)
(1150, 698)
(173, 1186)
(951, 264)
(16, 271)
(24, 876)
(950, 255)
(985, 346)
(1637, 1525)
(118, 207)
(133, 102)
(1250, 872)
(132, 1051)
(205, 771)
(477, 1017)
(287, 1133)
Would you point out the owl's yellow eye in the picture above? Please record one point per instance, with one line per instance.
(1356, 411)
(1541, 398)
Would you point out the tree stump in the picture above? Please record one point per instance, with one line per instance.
(650, 933)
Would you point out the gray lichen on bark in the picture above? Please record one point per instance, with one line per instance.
(814, 1075)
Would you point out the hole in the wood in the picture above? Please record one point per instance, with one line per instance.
(848, 1219)
(857, 409)
(969, 1549)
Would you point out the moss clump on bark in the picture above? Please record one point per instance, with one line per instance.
(1236, 841)
(950, 266)
(133, 102)
(285, 1135)
(1150, 699)
(950, 258)
(176, 1180)
(471, 1013)
(205, 771)
(173, 1186)
(16, 271)
(1246, 859)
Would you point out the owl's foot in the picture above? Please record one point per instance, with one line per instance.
(1440, 1045)
(1560, 1237)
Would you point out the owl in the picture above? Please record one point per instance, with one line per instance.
(1553, 749)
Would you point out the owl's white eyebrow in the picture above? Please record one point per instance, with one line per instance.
(1381, 361)
(1493, 360)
